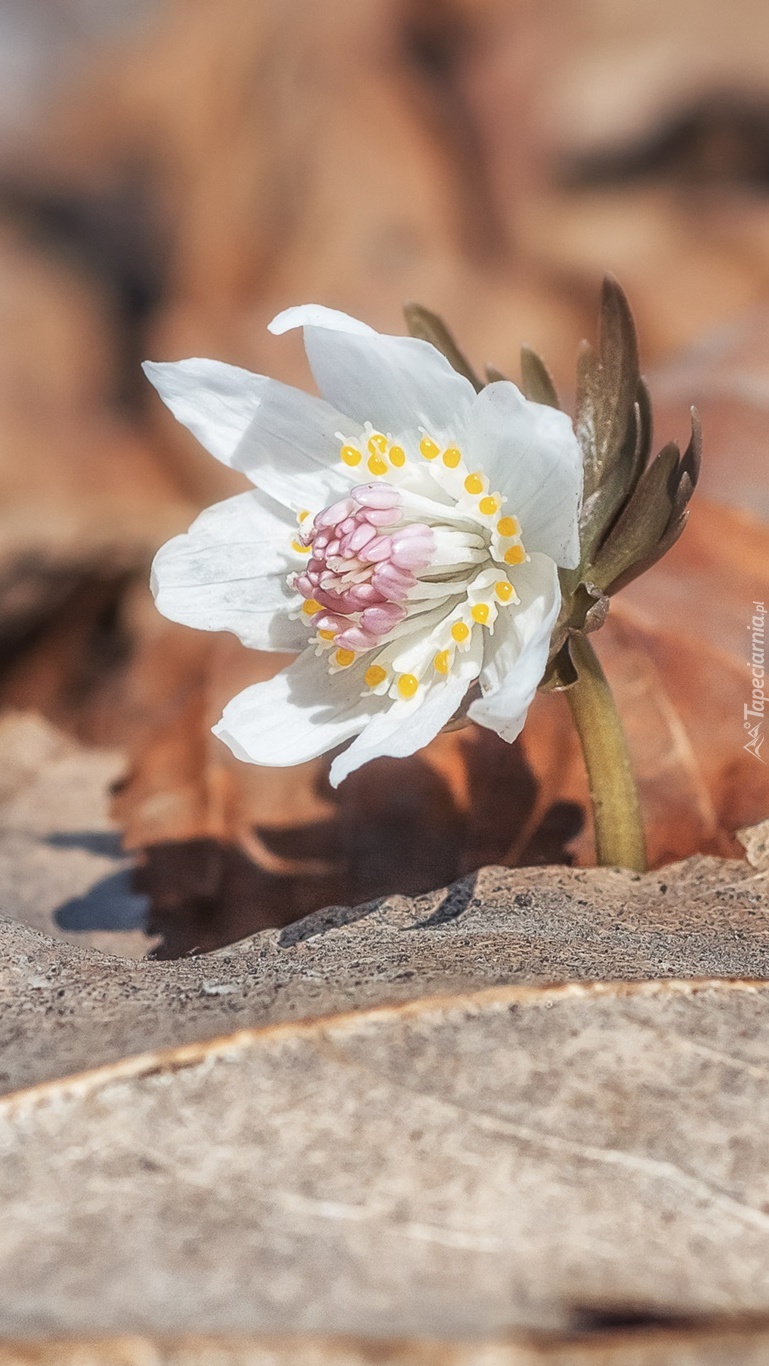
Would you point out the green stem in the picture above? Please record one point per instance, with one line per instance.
(619, 836)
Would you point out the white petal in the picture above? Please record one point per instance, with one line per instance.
(297, 715)
(284, 440)
(517, 653)
(216, 401)
(317, 315)
(404, 728)
(228, 573)
(530, 453)
(397, 383)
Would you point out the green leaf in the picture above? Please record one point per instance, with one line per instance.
(608, 389)
(493, 374)
(643, 521)
(602, 507)
(640, 567)
(537, 383)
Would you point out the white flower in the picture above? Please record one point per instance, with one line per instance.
(403, 539)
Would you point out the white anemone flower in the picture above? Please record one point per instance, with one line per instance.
(402, 537)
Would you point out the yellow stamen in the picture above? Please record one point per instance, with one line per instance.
(428, 448)
(377, 465)
(488, 506)
(377, 444)
(327, 635)
(460, 631)
(515, 555)
(474, 483)
(303, 515)
(344, 658)
(441, 662)
(300, 549)
(407, 685)
(375, 675)
(350, 456)
(310, 607)
(452, 457)
(480, 613)
(508, 526)
(504, 590)
(397, 456)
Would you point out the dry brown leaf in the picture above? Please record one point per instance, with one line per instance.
(621, 72)
(726, 375)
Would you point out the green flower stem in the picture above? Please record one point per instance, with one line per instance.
(619, 835)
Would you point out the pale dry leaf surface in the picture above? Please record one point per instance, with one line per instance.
(755, 842)
(454, 1167)
(62, 867)
(65, 1008)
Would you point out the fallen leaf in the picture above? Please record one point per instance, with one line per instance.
(634, 1346)
(466, 1166)
(62, 866)
(67, 1007)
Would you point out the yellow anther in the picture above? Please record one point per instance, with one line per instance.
(488, 506)
(300, 549)
(515, 555)
(428, 448)
(375, 675)
(350, 456)
(460, 631)
(407, 685)
(377, 465)
(327, 635)
(377, 444)
(344, 658)
(504, 590)
(508, 526)
(303, 515)
(441, 662)
(474, 483)
(397, 456)
(310, 607)
(480, 613)
(452, 457)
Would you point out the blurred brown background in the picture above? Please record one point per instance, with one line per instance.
(174, 172)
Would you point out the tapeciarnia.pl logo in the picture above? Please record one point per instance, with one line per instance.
(754, 711)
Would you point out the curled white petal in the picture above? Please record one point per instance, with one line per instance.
(393, 382)
(517, 656)
(317, 315)
(229, 573)
(299, 714)
(217, 402)
(403, 728)
(291, 450)
(283, 439)
(530, 452)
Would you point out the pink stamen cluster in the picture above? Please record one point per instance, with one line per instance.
(363, 563)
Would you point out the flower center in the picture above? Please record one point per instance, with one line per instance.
(410, 569)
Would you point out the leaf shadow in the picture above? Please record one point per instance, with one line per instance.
(396, 826)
